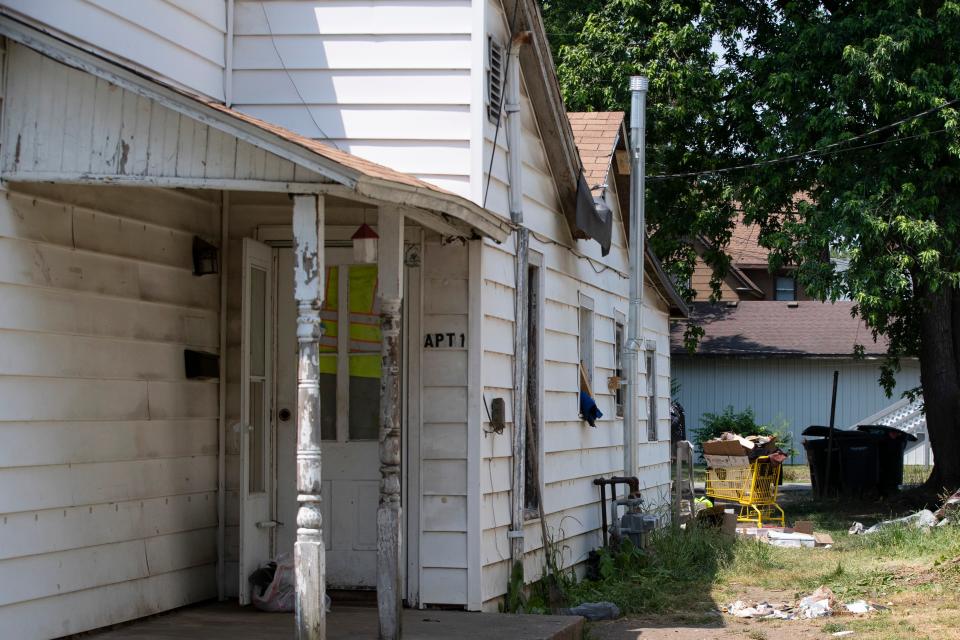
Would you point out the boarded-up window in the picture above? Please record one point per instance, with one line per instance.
(533, 473)
(618, 334)
(585, 343)
(651, 362)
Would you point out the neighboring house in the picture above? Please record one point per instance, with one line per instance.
(769, 347)
(749, 276)
(174, 240)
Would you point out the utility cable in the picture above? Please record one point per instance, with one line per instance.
(820, 151)
(293, 83)
(503, 93)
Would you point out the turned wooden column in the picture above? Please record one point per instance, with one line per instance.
(390, 292)
(309, 552)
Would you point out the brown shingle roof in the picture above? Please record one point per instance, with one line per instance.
(765, 327)
(743, 247)
(595, 134)
(365, 167)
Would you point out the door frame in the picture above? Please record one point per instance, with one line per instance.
(412, 392)
(338, 236)
(267, 264)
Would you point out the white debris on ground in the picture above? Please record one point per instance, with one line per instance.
(818, 604)
(948, 513)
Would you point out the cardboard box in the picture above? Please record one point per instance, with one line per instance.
(803, 526)
(724, 448)
(726, 462)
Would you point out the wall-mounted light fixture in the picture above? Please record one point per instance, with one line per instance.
(365, 244)
(206, 257)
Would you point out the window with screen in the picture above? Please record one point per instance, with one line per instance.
(786, 288)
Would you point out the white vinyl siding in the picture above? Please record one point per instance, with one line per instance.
(795, 390)
(443, 440)
(181, 40)
(100, 129)
(574, 453)
(112, 451)
(387, 81)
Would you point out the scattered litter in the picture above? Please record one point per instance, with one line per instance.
(787, 537)
(741, 609)
(950, 508)
(784, 539)
(921, 519)
(594, 611)
(860, 606)
(841, 634)
(818, 604)
(803, 526)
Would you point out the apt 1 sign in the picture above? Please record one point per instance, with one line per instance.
(449, 340)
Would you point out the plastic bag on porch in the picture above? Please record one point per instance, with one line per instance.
(281, 593)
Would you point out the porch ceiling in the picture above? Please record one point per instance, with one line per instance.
(126, 128)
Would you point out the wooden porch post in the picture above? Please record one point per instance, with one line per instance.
(390, 287)
(309, 552)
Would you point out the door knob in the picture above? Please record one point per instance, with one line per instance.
(284, 414)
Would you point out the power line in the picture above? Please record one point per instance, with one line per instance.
(273, 41)
(820, 151)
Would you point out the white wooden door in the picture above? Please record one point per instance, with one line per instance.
(349, 417)
(256, 391)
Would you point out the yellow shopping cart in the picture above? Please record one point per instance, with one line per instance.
(753, 487)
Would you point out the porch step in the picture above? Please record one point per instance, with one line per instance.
(227, 621)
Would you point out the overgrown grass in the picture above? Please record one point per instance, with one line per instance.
(687, 574)
(676, 571)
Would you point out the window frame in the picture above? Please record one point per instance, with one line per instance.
(792, 291)
(586, 339)
(652, 389)
(619, 341)
(536, 275)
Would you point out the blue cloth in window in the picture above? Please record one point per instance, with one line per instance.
(589, 409)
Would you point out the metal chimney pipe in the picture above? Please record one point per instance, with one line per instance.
(632, 346)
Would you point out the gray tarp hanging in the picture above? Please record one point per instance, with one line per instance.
(594, 221)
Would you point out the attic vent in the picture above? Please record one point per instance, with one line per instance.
(495, 78)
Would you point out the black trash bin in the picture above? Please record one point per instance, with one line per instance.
(859, 465)
(891, 445)
(855, 469)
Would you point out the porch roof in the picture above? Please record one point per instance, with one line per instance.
(334, 171)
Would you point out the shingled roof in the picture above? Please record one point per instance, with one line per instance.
(744, 249)
(753, 328)
(596, 134)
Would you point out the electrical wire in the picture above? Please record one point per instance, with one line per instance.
(597, 266)
(503, 93)
(829, 149)
(293, 83)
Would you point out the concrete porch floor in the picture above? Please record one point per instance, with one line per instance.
(227, 621)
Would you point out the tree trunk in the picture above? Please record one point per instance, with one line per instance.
(940, 378)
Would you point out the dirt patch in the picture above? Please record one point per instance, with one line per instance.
(720, 628)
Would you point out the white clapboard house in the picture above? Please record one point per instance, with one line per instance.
(187, 322)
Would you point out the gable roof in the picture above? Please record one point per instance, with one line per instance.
(353, 174)
(597, 135)
(755, 328)
(744, 247)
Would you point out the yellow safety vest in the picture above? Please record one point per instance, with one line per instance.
(364, 329)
